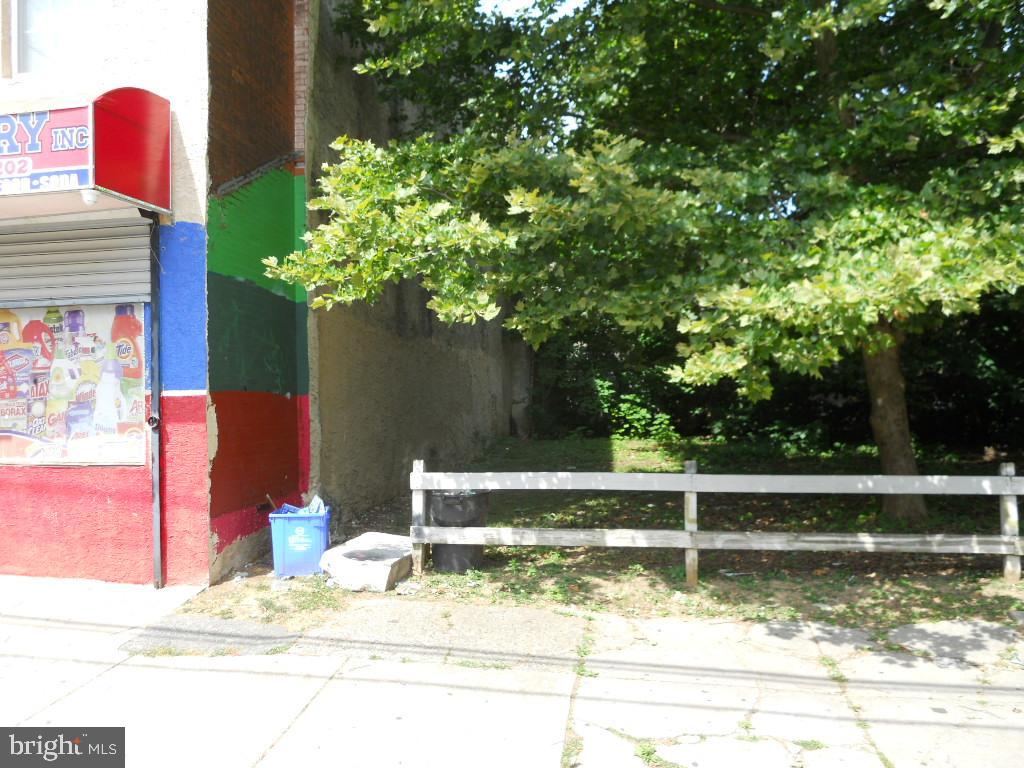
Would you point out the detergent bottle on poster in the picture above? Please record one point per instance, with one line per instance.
(38, 392)
(10, 328)
(74, 327)
(109, 411)
(40, 336)
(64, 377)
(16, 362)
(125, 333)
(55, 320)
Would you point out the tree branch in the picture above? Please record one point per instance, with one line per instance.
(714, 5)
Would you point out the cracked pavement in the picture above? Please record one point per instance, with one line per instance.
(396, 682)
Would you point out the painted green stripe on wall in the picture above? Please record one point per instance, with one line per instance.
(253, 222)
(257, 339)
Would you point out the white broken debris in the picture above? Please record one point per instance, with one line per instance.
(372, 562)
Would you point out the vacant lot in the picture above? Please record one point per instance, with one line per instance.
(876, 592)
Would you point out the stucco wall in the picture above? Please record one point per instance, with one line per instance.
(390, 383)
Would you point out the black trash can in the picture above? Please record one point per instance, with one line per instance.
(458, 509)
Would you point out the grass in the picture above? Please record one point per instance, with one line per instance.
(297, 603)
(165, 650)
(872, 591)
(834, 673)
(810, 744)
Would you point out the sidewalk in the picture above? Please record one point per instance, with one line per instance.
(394, 682)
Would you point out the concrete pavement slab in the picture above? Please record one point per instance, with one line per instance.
(976, 642)
(795, 716)
(679, 677)
(841, 757)
(425, 631)
(430, 715)
(57, 635)
(198, 633)
(728, 752)
(223, 711)
(604, 749)
(921, 713)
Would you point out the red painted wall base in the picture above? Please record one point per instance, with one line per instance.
(97, 522)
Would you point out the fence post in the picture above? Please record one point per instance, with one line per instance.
(419, 503)
(1009, 524)
(690, 522)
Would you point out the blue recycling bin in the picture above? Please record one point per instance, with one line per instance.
(300, 537)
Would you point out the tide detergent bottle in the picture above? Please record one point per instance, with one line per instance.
(124, 334)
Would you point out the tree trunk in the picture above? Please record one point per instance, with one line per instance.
(891, 427)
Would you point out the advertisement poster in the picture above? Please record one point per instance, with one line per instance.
(72, 385)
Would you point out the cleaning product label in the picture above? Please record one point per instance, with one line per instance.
(72, 385)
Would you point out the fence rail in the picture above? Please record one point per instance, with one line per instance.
(1006, 486)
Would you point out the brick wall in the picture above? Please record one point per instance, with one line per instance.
(301, 71)
(252, 90)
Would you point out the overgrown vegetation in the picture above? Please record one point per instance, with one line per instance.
(783, 184)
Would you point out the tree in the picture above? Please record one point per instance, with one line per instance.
(789, 182)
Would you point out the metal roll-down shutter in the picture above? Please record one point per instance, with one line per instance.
(84, 261)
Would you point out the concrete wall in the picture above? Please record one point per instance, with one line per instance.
(389, 382)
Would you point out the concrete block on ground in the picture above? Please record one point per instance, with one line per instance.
(371, 562)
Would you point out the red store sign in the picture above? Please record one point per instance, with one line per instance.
(120, 145)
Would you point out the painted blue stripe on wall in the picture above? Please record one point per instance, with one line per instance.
(183, 352)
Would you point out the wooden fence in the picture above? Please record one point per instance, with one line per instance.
(1006, 486)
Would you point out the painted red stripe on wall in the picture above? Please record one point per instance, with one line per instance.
(185, 487)
(257, 450)
(78, 522)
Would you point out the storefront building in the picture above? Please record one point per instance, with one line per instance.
(151, 402)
